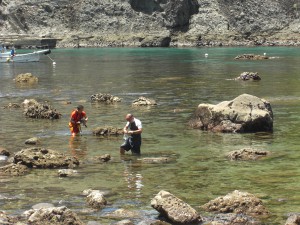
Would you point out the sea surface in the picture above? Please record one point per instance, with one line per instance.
(178, 79)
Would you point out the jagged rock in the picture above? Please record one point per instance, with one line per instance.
(247, 154)
(246, 113)
(33, 109)
(6, 219)
(237, 202)
(96, 199)
(13, 169)
(44, 158)
(52, 216)
(293, 219)
(251, 57)
(248, 76)
(174, 208)
(26, 78)
(32, 141)
(106, 98)
(107, 131)
(141, 101)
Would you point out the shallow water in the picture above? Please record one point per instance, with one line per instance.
(179, 80)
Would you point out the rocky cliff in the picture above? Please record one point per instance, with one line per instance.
(98, 23)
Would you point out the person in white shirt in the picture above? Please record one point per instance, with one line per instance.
(133, 142)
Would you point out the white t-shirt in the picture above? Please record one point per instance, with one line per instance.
(137, 122)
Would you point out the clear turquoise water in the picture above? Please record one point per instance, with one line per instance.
(179, 80)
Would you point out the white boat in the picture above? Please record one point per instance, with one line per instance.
(26, 57)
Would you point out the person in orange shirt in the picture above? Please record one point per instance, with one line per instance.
(78, 117)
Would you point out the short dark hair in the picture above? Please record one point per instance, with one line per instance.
(80, 107)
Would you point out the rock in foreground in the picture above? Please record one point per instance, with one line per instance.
(175, 209)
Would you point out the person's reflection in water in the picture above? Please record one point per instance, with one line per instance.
(78, 147)
(133, 177)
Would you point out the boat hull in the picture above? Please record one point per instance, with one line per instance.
(27, 57)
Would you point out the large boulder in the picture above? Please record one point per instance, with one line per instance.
(44, 158)
(237, 202)
(246, 113)
(175, 209)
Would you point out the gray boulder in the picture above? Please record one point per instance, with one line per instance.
(174, 208)
(246, 113)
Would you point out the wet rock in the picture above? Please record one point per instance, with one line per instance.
(153, 222)
(251, 57)
(52, 216)
(4, 152)
(247, 154)
(107, 131)
(105, 98)
(248, 76)
(96, 200)
(44, 158)
(12, 106)
(67, 173)
(174, 208)
(237, 202)
(142, 101)
(33, 109)
(13, 169)
(104, 158)
(32, 141)
(232, 219)
(246, 113)
(26, 78)
(293, 219)
(6, 219)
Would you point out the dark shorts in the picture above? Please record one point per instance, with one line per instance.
(133, 145)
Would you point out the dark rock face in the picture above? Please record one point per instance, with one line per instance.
(92, 23)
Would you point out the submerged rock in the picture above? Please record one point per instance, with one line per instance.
(107, 131)
(26, 78)
(44, 158)
(247, 154)
(13, 169)
(96, 199)
(32, 141)
(175, 209)
(245, 113)
(251, 57)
